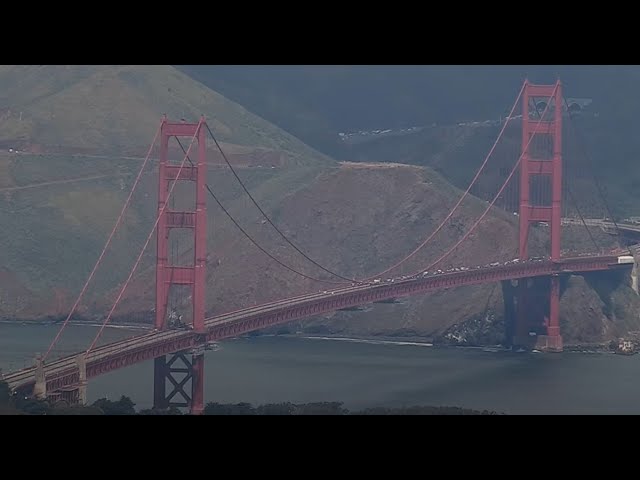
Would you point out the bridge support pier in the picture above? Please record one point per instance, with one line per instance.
(552, 341)
(197, 384)
(81, 361)
(178, 371)
(40, 388)
(508, 297)
(521, 329)
(538, 314)
(159, 383)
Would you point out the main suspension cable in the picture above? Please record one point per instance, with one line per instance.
(249, 237)
(267, 218)
(464, 195)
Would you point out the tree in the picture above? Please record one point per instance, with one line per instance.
(229, 409)
(31, 406)
(160, 411)
(276, 409)
(76, 410)
(321, 408)
(124, 406)
(5, 393)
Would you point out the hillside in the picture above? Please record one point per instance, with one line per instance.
(338, 220)
(315, 102)
(355, 218)
(115, 108)
(585, 147)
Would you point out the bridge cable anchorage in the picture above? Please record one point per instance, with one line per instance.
(286, 239)
(257, 245)
(581, 142)
(495, 199)
(464, 195)
(569, 191)
(146, 244)
(106, 245)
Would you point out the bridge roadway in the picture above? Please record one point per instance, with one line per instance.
(64, 372)
(605, 225)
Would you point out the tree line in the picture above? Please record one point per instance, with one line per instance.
(12, 404)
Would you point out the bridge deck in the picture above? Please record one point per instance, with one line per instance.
(64, 372)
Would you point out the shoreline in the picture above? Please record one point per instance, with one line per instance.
(433, 343)
(414, 341)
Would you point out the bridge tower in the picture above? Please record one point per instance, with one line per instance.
(190, 275)
(540, 169)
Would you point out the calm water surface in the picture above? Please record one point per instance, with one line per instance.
(275, 369)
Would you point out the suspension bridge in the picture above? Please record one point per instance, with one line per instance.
(536, 176)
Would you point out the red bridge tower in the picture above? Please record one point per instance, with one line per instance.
(191, 275)
(541, 168)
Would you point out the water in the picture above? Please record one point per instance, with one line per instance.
(362, 374)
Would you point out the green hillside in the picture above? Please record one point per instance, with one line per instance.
(108, 108)
(60, 205)
(57, 230)
(315, 102)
